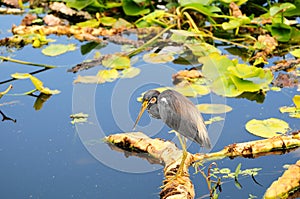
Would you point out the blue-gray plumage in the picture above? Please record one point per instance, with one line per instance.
(178, 112)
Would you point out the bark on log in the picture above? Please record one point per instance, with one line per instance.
(170, 155)
(287, 183)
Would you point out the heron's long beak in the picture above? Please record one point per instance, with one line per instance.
(143, 108)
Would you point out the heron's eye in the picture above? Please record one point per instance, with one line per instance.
(153, 100)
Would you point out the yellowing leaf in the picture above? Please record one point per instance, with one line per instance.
(293, 111)
(21, 75)
(58, 49)
(108, 75)
(267, 128)
(116, 61)
(38, 84)
(130, 72)
(89, 79)
(214, 119)
(296, 53)
(213, 108)
(296, 100)
(158, 57)
(6, 91)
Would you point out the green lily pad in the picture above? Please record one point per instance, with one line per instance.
(116, 61)
(230, 79)
(58, 49)
(267, 128)
(214, 108)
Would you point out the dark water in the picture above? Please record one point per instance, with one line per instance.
(44, 156)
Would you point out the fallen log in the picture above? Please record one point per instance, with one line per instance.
(167, 153)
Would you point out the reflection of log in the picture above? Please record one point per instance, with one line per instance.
(288, 182)
(170, 155)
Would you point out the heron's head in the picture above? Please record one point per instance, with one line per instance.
(149, 99)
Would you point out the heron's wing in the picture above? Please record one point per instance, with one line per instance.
(180, 114)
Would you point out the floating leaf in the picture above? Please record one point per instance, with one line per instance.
(79, 118)
(202, 49)
(36, 82)
(296, 53)
(267, 128)
(6, 91)
(130, 72)
(58, 49)
(107, 21)
(158, 57)
(92, 23)
(214, 119)
(214, 108)
(296, 100)
(89, 79)
(293, 111)
(21, 75)
(116, 61)
(108, 75)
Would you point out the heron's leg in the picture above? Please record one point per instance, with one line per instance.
(182, 141)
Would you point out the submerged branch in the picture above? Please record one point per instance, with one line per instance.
(25, 62)
(170, 155)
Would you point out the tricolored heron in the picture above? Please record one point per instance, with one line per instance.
(179, 113)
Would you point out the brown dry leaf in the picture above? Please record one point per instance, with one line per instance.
(235, 10)
(52, 20)
(62, 8)
(27, 20)
(185, 75)
(12, 3)
(285, 80)
(285, 65)
(268, 42)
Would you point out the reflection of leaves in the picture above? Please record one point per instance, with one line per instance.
(267, 128)
(214, 108)
(4, 117)
(58, 49)
(36, 82)
(41, 99)
(259, 97)
(88, 47)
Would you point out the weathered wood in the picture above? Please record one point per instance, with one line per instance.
(167, 152)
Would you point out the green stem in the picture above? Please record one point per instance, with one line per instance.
(25, 62)
(141, 48)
